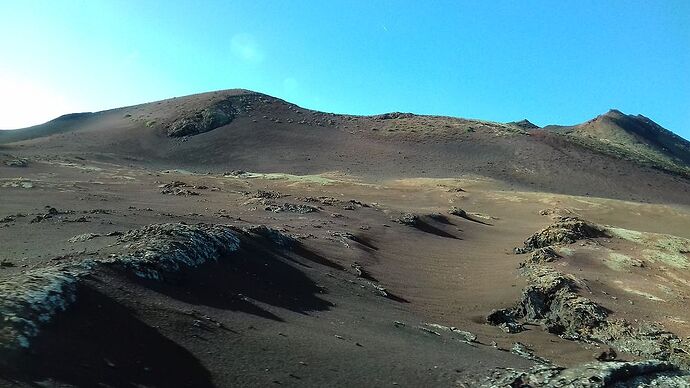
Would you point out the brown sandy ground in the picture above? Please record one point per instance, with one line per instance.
(446, 270)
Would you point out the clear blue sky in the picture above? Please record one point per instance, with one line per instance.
(549, 61)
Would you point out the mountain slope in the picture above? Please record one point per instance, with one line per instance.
(64, 123)
(636, 138)
(243, 130)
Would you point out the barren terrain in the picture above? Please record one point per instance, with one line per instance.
(234, 239)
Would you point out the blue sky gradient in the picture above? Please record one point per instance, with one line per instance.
(553, 62)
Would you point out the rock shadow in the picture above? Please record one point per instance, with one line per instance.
(312, 256)
(425, 226)
(100, 342)
(252, 273)
(365, 242)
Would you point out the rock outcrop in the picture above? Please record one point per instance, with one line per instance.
(553, 300)
(219, 114)
(566, 230)
(651, 373)
(154, 250)
(33, 298)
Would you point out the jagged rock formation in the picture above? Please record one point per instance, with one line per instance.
(543, 255)
(566, 230)
(154, 250)
(32, 299)
(652, 373)
(552, 300)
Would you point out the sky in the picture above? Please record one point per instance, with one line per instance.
(552, 62)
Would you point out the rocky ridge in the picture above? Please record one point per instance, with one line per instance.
(33, 299)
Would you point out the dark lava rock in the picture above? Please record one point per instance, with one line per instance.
(649, 373)
(220, 114)
(566, 230)
(607, 355)
(408, 219)
(292, 208)
(455, 211)
(268, 194)
(551, 299)
(17, 163)
(505, 320)
(544, 255)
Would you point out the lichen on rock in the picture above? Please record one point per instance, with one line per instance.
(154, 250)
(649, 373)
(566, 230)
(551, 299)
(29, 300)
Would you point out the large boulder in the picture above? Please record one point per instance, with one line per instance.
(220, 114)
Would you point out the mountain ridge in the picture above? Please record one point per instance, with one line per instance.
(632, 137)
(243, 130)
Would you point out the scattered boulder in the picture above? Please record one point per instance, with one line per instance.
(178, 188)
(462, 335)
(607, 355)
(11, 218)
(394, 115)
(83, 237)
(505, 319)
(455, 211)
(50, 213)
(268, 194)
(408, 219)
(292, 208)
(174, 184)
(180, 192)
(235, 173)
(17, 163)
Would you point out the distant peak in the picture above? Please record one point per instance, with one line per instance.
(524, 123)
(614, 112)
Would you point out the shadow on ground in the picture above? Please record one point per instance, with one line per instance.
(100, 342)
(234, 282)
(425, 224)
